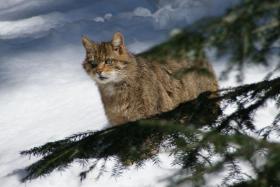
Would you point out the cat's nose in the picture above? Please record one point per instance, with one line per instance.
(99, 72)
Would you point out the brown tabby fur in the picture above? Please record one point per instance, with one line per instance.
(133, 88)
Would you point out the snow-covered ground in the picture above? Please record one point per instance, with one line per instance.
(46, 96)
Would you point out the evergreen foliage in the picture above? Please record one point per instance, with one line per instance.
(214, 133)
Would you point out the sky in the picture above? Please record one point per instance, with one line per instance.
(45, 94)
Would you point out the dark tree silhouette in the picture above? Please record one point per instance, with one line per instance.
(202, 135)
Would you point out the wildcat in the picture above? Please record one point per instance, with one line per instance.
(133, 87)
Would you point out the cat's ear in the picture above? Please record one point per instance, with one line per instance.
(118, 41)
(87, 43)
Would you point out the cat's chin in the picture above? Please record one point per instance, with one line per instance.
(106, 80)
(103, 80)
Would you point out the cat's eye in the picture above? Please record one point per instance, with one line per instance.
(93, 63)
(109, 62)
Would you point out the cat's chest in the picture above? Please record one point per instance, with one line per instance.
(109, 91)
(114, 97)
(119, 100)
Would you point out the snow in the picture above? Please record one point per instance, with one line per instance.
(44, 93)
(29, 26)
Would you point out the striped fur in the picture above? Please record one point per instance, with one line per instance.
(133, 88)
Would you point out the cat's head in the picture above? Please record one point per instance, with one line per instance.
(109, 62)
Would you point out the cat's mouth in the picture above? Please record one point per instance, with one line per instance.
(102, 77)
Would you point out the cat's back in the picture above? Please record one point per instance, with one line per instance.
(175, 81)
